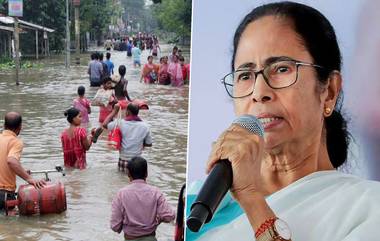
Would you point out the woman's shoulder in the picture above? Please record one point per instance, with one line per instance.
(369, 188)
(82, 101)
(332, 188)
(354, 181)
(80, 131)
(355, 186)
(64, 133)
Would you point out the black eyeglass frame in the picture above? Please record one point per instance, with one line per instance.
(256, 73)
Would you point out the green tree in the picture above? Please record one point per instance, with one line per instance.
(3, 6)
(174, 16)
(48, 13)
(97, 15)
(133, 12)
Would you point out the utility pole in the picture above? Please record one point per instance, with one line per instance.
(77, 30)
(67, 60)
(17, 56)
(15, 10)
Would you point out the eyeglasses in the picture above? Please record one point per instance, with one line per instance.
(277, 75)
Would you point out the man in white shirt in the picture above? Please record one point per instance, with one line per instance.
(135, 135)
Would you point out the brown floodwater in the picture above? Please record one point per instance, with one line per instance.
(42, 97)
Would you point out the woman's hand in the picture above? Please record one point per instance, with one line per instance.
(93, 131)
(244, 150)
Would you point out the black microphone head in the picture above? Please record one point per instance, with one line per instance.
(250, 123)
(218, 181)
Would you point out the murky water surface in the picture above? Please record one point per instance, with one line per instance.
(42, 97)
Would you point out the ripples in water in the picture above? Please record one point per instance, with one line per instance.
(42, 98)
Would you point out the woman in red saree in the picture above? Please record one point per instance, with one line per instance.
(74, 140)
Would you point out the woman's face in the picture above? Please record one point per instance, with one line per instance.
(150, 60)
(77, 119)
(289, 115)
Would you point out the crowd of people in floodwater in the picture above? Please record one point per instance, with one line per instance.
(171, 68)
(119, 115)
(113, 95)
(127, 132)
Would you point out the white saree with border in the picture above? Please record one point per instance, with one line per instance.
(326, 205)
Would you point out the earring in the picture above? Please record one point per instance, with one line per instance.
(327, 110)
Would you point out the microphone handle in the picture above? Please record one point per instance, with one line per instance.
(211, 194)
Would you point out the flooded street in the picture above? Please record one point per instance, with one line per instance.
(42, 97)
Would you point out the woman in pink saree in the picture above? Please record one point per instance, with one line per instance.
(175, 72)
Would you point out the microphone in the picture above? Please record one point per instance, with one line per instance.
(218, 181)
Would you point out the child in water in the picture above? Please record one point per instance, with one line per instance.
(104, 98)
(74, 140)
(82, 104)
